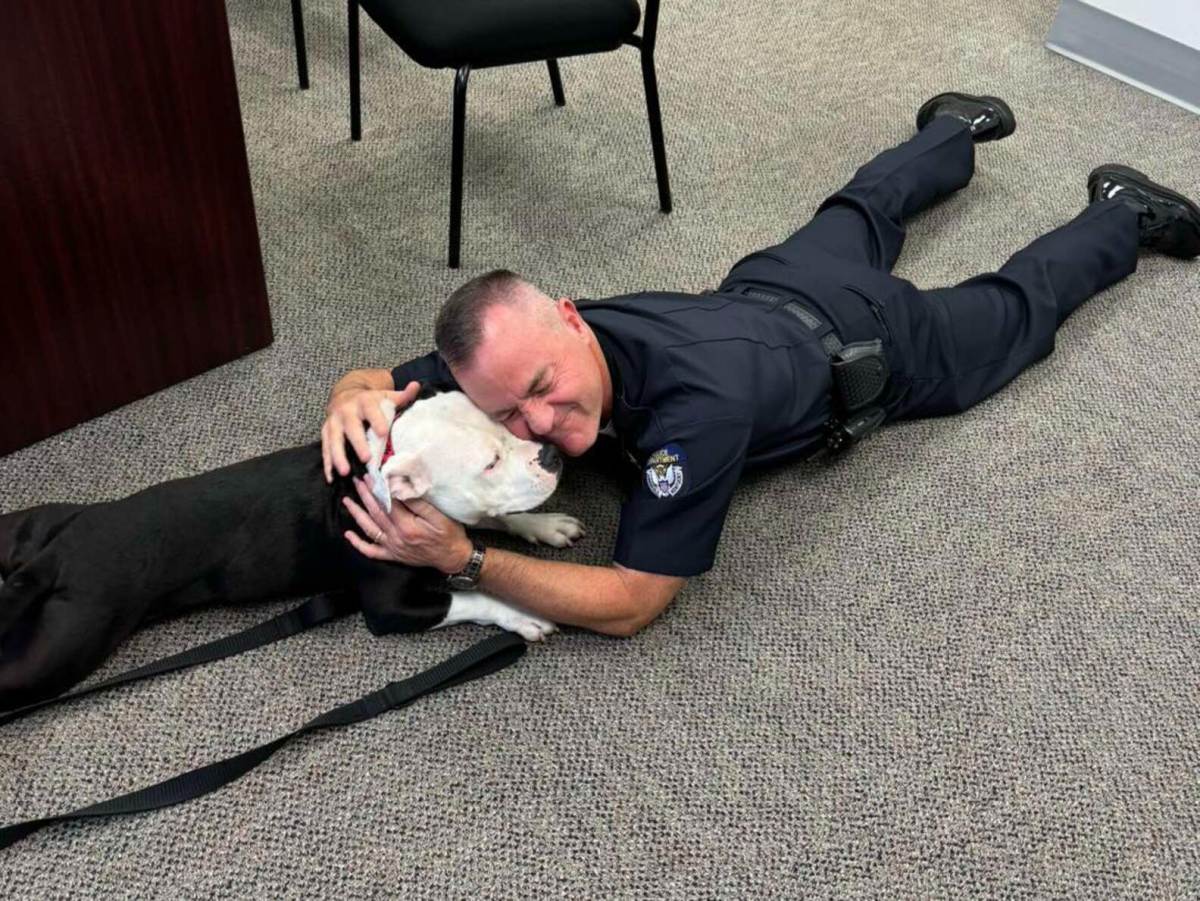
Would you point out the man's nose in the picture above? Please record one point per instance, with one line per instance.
(540, 419)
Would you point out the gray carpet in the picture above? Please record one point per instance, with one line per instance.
(963, 662)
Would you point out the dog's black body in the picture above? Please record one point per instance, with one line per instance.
(79, 578)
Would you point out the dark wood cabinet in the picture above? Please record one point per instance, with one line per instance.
(130, 254)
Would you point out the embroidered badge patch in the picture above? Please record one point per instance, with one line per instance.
(664, 470)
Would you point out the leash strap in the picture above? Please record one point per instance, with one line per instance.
(313, 612)
(486, 657)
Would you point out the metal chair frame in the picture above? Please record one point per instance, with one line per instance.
(301, 51)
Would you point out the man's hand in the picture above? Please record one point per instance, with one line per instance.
(415, 533)
(355, 399)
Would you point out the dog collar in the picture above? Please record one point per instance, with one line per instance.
(388, 450)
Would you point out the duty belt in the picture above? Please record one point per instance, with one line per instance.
(860, 373)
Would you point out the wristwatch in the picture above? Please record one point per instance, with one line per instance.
(468, 577)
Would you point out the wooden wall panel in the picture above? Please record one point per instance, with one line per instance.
(129, 254)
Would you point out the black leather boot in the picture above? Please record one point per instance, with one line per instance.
(1167, 222)
(989, 118)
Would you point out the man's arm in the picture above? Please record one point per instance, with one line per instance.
(615, 600)
(364, 380)
(609, 599)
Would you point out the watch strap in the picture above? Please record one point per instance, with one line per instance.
(468, 576)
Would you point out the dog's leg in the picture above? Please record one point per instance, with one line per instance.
(24, 533)
(49, 640)
(556, 529)
(477, 607)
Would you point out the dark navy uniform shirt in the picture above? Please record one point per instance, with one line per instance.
(703, 386)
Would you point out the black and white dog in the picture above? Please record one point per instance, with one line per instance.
(79, 578)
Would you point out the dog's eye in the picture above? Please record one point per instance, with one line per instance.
(492, 465)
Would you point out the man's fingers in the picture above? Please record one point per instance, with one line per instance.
(370, 502)
(368, 525)
(345, 424)
(358, 515)
(406, 396)
(374, 414)
(374, 551)
(373, 510)
(379, 423)
(326, 462)
(357, 436)
(422, 509)
(337, 447)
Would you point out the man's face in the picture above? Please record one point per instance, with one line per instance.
(536, 373)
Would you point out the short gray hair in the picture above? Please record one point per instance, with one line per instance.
(459, 327)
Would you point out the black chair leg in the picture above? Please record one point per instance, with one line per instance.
(656, 132)
(456, 162)
(555, 82)
(301, 53)
(352, 49)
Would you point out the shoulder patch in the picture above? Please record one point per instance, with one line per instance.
(665, 471)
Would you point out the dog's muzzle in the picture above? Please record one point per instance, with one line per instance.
(549, 458)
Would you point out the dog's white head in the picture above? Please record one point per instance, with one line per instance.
(447, 451)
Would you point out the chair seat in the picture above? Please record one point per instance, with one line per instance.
(451, 33)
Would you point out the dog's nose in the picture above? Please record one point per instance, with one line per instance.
(549, 458)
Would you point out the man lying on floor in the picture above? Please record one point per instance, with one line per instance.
(807, 345)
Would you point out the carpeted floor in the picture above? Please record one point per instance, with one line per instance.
(965, 661)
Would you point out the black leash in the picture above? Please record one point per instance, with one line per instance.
(486, 657)
(313, 612)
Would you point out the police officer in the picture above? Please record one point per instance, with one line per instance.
(804, 348)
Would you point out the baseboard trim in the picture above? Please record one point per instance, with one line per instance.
(1135, 55)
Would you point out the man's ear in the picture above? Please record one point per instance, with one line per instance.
(569, 314)
(407, 476)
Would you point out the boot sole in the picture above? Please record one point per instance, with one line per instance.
(1008, 121)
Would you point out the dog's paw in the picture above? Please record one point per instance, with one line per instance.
(529, 627)
(477, 607)
(554, 529)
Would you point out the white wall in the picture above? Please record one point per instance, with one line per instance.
(1175, 19)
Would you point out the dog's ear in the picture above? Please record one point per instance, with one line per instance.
(407, 476)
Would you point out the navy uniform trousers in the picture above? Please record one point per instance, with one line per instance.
(948, 348)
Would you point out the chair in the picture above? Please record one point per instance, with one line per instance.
(475, 34)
